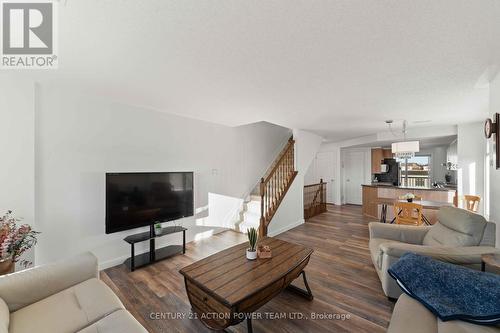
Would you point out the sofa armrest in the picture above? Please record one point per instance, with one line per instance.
(32, 285)
(468, 255)
(400, 233)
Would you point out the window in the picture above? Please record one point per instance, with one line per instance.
(419, 171)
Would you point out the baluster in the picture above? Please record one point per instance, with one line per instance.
(282, 183)
(288, 165)
(275, 191)
(268, 198)
(262, 206)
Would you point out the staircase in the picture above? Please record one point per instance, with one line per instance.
(261, 205)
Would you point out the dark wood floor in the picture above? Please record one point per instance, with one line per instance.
(340, 274)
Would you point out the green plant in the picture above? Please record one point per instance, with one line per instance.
(252, 239)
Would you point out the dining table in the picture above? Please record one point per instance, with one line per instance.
(426, 204)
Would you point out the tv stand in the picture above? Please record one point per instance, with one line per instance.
(154, 255)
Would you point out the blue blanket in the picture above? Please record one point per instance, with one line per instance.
(449, 291)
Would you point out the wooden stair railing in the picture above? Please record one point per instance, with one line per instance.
(274, 186)
(314, 199)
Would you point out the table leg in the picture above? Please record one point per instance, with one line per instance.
(183, 241)
(383, 215)
(132, 257)
(306, 293)
(249, 324)
(483, 266)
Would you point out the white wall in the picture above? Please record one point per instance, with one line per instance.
(17, 149)
(471, 151)
(291, 210)
(79, 138)
(494, 174)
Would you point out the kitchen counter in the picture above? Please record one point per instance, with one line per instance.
(409, 188)
(373, 191)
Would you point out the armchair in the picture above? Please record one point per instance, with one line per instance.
(459, 237)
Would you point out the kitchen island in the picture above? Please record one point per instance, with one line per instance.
(371, 192)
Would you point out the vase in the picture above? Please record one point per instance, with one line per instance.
(6, 266)
(409, 200)
(251, 255)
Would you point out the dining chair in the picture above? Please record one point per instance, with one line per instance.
(472, 202)
(408, 213)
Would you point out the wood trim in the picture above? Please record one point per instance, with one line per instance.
(289, 145)
(275, 185)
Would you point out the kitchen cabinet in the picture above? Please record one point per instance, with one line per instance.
(387, 153)
(377, 158)
(378, 155)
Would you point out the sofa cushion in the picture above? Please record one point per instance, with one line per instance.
(376, 252)
(4, 317)
(67, 311)
(458, 326)
(118, 322)
(409, 316)
(456, 227)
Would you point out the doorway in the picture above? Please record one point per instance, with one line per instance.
(325, 169)
(354, 169)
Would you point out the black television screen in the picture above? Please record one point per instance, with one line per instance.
(140, 199)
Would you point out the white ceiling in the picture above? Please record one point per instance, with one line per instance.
(339, 68)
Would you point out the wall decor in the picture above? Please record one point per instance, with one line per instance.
(491, 128)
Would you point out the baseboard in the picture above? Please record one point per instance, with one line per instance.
(286, 228)
(114, 262)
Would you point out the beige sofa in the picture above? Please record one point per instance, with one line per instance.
(64, 297)
(459, 237)
(410, 316)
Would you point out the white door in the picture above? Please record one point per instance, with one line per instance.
(354, 176)
(325, 167)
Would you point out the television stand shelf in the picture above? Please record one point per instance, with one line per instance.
(154, 255)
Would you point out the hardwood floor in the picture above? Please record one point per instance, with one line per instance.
(340, 274)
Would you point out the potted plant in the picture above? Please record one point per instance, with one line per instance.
(252, 241)
(157, 229)
(409, 197)
(14, 241)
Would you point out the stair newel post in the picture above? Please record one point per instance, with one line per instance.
(321, 191)
(262, 207)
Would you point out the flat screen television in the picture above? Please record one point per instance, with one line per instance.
(136, 200)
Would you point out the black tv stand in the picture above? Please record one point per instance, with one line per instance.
(154, 255)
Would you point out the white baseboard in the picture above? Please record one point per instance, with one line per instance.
(286, 228)
(114, 262)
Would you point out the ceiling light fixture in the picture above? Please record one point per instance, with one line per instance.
(404, 149)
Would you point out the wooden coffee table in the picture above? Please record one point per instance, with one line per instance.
(225, 288)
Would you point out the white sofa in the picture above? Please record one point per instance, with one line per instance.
(409, 316)
(459, 237)
(65, 297)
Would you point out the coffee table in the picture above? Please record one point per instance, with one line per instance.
(225, 288)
